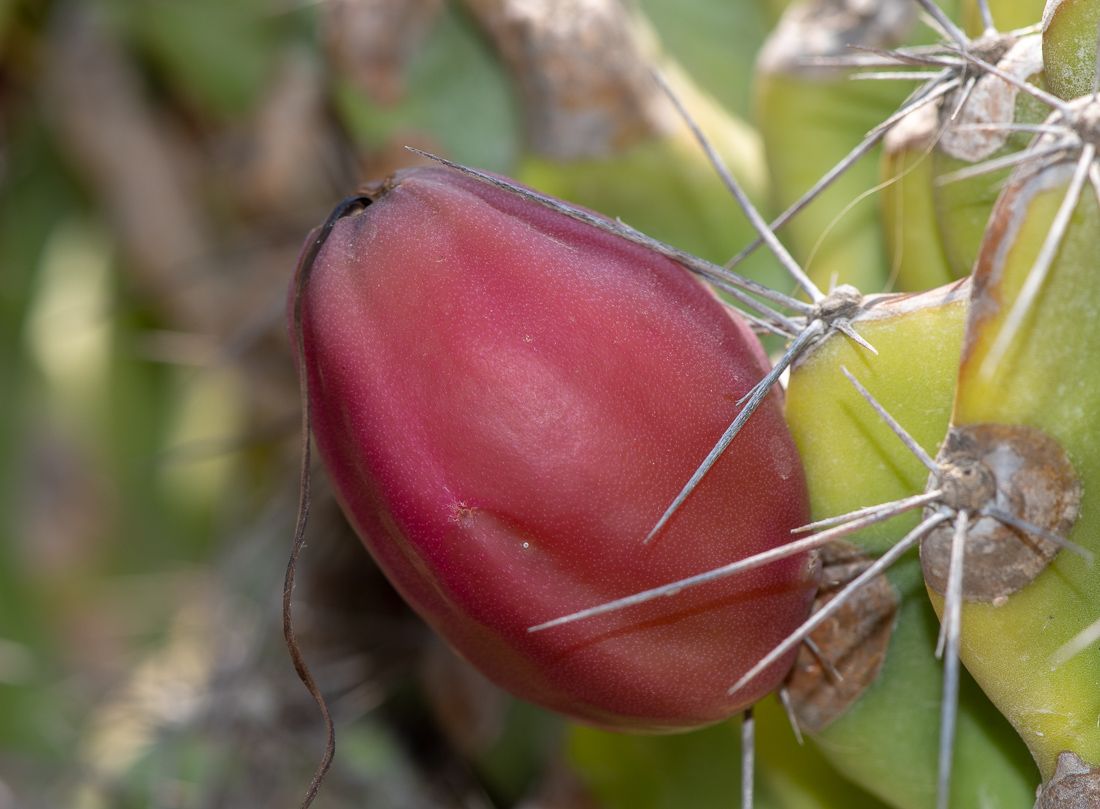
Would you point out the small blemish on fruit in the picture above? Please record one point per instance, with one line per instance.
(527, 338)
(527, 544)
(1000, 601)
(461, 511)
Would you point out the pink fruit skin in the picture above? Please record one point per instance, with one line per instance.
(506, 401)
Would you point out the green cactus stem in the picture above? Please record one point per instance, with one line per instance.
(811, 116)
(1030, 332)
(888, 740)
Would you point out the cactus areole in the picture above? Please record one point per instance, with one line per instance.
(505, 401)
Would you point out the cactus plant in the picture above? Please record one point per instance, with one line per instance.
(244, 120)
(1014, 428)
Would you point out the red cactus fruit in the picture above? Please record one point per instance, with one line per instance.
(505, 401)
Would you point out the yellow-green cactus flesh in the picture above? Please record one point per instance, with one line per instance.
(888, 740)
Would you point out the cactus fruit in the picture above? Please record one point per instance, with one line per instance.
(504, 400)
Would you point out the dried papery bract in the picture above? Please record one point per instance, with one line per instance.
(846, 653)
(979, 125)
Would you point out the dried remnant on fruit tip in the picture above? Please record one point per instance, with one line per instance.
(583, 69)
(991, 101)
(1020, 470)
(826, 28)
(853, 641)
(1074, 785)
